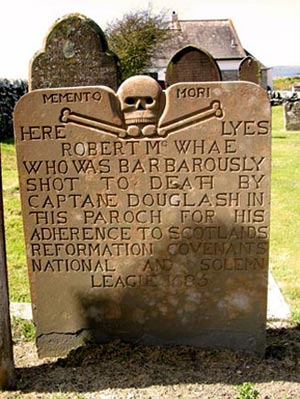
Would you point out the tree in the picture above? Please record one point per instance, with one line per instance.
(135, 37)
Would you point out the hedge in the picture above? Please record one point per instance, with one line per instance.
(10, 92)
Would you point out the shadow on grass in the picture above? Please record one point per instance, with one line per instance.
(120, 365)
(10, 140)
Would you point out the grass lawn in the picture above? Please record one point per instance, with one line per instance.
(285, 217)
(285, 211)
(15, 248)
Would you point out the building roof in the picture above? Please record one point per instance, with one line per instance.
(218, 37)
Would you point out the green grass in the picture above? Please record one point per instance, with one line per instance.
(285, 83)
(23, 330)
(247, 391)
(285, 217)
(15, 248)
(285, 211)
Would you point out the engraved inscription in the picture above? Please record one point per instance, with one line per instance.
(154, 204)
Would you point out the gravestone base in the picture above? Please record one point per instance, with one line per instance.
(57, 345)
(60, 344)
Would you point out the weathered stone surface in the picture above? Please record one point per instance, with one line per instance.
(191, 64)
(249, 70)
(292, 115)
(146, 213)
(75, 54)
(7, 370)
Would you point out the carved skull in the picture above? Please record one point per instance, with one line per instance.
(141, 99)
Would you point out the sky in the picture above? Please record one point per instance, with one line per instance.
(268, 29)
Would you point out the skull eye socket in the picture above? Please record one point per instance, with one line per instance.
(130, 100)
(149, 100)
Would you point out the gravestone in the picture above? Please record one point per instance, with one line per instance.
(146, 213)
(249, 70)
(292, 115)
(75, 54)
(191, 64)
(7, 371)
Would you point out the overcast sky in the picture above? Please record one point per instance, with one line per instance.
(268, 29)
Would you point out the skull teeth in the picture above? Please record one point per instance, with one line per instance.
(139, 120)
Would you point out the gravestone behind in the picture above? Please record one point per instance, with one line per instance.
(191, 64)
(146, 213)
(292, 115)
(7, 371)
(249, 70)
(75, 54)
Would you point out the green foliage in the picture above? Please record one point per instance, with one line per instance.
(10, 92)
(285, 210)
(285, 83)
(247, 391)
(15, 247)
(135, 37)
(22, 329)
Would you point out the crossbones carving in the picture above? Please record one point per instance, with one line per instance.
(142, 102)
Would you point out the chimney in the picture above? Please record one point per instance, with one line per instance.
(175, 24)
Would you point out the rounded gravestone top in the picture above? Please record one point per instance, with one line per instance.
(75, 53)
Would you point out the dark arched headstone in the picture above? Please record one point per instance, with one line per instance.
(249, 70)
(191, 64)
(75, 54)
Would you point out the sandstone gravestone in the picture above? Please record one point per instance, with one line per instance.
(249, 70)
(7, 371)
(146, 213)
(292, 115)
(75, 54)
(191, 64)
